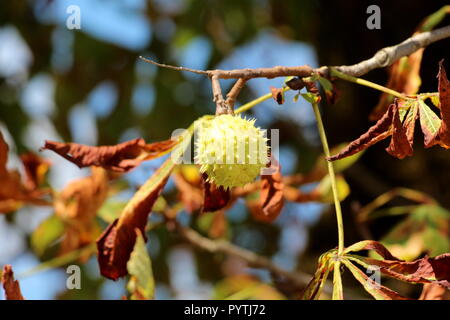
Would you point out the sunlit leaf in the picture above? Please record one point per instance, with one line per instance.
(141, 284)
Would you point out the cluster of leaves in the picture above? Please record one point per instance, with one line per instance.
(425, 270)
(121, 246)
(400, 119)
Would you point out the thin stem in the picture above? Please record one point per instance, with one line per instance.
(253, 103)
(337, 204)
(366, 83)
(60, 261)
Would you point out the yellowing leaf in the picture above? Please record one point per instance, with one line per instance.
(46, 233)
(141, 284)
(429, 122)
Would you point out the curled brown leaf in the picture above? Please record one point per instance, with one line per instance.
(443, 135)
(117, 241)
(381, 130)
(122, 157)
(11, 286)
(277, 94)
(271, 195)
(214, 197)
(14, 193)
(400, 146)
(77, 207)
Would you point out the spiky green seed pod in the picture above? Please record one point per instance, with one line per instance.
(231, 150)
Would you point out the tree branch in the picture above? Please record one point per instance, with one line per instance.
(299, 279)
(387, 56)
(381, 59)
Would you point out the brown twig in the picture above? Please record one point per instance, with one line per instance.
(168, 66)
(221, 106)
(383, 58)
(234, 92)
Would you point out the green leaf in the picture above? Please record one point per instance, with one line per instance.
(424, 230)
(111, 210)
(435, 100)
(141, 284)
(326, 193)
(50, 230)
(311, 97)
(377, 291)
(326, 84)
(429, 122)
(338, 291)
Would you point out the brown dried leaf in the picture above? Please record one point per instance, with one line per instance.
(277, 94)
(121, 158)
(35, 169)
(77, 207)
(117, 241)
(11, 286)
(371, 245)
(271, 196)
(378, 291)
(401, 144)
(215, 198)
(409, 120)
(13, 194)
(424, 270)
(443, 136)
(434, 291)
(381, 130)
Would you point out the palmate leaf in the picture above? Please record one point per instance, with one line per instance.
(404, 74)
(377, 291)
(399, 121)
